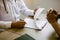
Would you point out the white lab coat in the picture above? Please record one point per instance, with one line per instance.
(14, 9)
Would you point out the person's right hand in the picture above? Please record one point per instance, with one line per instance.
(32, 17)
(52, 16)
(18, 24)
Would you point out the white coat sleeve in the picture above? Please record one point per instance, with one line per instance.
(4, 24)
(24, 9)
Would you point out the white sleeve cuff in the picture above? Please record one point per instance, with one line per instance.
(8, 24)
(4, 24)
(29, 12)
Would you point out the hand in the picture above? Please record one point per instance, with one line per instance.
(32, 17)
(52, 16)
(18, 24)
(35, 10)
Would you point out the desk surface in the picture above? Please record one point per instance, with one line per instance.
(11, 34)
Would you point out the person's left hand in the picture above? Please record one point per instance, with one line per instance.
(34, 13)
(52, 16)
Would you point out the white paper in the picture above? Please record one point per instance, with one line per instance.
(41, 23)
(30, 23)
(38, 12)
(33, 23)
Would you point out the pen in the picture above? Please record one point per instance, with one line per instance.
(5, 6)
(34, 28)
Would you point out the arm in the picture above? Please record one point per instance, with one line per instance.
(52, 19)
(56, 26)
(24, 9)
(10, 24)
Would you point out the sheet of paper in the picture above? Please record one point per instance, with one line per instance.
(38, 12)
(41, 23)
(30, 23)
(33, 23)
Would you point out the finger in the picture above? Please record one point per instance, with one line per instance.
(55, 12)
(58, 16)
(25, 23)
(21, 20)
(49, 14)
(50, 10)
(35, 10)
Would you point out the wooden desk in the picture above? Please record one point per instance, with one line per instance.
(11, 34)
(45, 34)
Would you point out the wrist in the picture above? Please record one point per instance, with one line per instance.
(32, 17)
(54, 23)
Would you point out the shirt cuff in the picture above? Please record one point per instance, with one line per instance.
(8, 24)
(29, 12)
(5, 24)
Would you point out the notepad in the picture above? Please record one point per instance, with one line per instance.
(30, 23)
(25, 37)
(38, 12)
(39, 24)
(34, 23)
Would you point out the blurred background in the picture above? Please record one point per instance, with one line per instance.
(32, 4)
